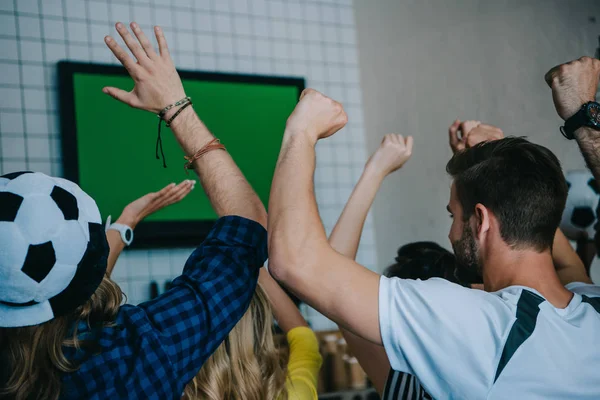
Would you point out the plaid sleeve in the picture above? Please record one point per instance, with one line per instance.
(212, 294)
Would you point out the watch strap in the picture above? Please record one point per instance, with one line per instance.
(122, 229)
(574, 122)
(588, 115)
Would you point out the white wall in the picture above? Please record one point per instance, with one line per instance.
(425, 63)
(313, 39)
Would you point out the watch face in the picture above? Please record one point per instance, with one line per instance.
(128, 234)
(593, 111)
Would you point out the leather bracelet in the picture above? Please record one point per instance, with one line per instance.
(214, 144)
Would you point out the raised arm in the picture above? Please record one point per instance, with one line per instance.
(393, 152)
(300, 255)
(139, 209)
(158, 85)
(189, 321)
(574, 84)
(285, 311)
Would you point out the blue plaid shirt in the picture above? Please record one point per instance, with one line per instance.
(157, 347)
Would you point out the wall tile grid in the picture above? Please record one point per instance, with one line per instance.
(313, 39)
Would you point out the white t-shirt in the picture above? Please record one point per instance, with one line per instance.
(469, 344)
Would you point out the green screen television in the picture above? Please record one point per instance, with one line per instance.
(109, 148)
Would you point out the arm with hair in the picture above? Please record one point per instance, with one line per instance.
(345, 238)
(300, 255)
(157, 84)
(574, 84)
(189, 321)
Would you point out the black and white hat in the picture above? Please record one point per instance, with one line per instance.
(53, 249)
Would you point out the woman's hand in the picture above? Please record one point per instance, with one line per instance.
(139, 209)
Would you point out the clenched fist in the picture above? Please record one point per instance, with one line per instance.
(471, 133)
(316, 116)
(391, 155)
(573, 84)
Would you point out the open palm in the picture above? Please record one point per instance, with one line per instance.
(139, 209)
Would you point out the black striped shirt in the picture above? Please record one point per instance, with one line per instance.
(404, 386)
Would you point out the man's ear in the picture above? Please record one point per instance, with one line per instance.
(482, 218)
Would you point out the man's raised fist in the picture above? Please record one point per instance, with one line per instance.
(573, 84)
(316, 115)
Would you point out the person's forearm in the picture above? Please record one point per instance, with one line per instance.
(567, 263)
(300, 256)
(588, 140)
(345, 236)
(285, 311)
(226, 187)
(115, 242)
(295, 228)
(116, 245)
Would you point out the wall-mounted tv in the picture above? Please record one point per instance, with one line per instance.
(109, 148)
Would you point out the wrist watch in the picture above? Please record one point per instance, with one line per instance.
(125, 231)
(588, 115)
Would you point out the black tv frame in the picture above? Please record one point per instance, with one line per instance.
(155, 234)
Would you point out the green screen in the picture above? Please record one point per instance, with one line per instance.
(116, 144)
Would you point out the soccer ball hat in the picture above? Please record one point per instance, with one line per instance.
(53, 248)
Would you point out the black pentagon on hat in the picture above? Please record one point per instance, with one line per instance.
(14, 175)
(88, 276)
(582, 217)
(9, 206)
(39, 261)
(66, 202)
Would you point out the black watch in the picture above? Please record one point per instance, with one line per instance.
(588, 115)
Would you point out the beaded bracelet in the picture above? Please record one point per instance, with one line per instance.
(162, 113)
(185, 102)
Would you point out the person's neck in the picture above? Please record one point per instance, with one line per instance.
(525, 268)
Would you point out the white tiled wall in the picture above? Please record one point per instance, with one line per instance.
(314, 39)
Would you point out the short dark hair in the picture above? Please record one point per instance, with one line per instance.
(424, 260)
(522, 183)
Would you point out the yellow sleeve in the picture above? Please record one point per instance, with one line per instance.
(303, 365)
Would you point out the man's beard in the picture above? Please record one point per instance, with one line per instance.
(468, 267)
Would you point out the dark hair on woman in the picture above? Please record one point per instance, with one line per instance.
(424, 260)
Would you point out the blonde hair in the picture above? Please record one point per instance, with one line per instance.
(33, 355)
(247, 365)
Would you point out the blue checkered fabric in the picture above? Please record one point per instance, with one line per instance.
(157, 347)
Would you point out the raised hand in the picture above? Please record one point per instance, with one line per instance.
(391, 155)
(157, 83)
(469, 133)
(139, 209)
(316, 116)
(573, 84)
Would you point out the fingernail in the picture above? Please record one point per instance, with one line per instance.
(134, 25)
(105, 90)
(119, 25)
(157, 28)
(108, 39)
